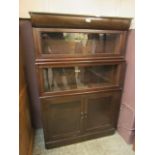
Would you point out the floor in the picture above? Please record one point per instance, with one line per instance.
(110, 145)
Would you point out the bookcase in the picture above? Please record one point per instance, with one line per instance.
(80, 68)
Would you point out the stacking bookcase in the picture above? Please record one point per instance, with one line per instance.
(80, 68)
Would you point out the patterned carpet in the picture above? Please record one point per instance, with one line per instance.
(110, 145)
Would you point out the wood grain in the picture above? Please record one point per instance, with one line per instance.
(79, 21)
(73, 115)
(26, 133)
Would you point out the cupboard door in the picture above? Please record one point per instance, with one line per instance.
(78, 43)
(61, 117)
(101, 111)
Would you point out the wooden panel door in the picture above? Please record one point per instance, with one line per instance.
(61, 118)
(101, 110)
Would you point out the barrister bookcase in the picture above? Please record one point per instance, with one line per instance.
(80, 68)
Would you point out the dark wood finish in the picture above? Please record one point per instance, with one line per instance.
(84, 137)
(70, 114)
(26, 133)
(85, 91)
(62, 117)
(68, 119)
(118, 51)
(86, 61)
(116, 77)
(100, 111)
(79, 21)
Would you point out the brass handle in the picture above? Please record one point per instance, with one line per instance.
(82, 115)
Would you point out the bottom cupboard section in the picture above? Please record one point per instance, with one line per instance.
(71, 119)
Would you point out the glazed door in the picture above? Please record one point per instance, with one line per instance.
(77, 78)
(101, 111)
(62, 117)
(57, 43)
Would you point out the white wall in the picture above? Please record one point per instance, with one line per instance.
(122, 8)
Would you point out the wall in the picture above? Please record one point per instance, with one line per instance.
(127, 110)
(123, 8)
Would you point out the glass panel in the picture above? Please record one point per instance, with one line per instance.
(79, 43)
(69, 78)
(99, 111)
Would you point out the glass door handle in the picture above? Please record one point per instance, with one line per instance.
(77, 70)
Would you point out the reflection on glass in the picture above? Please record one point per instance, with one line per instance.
(79, 43)
(58, 79)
